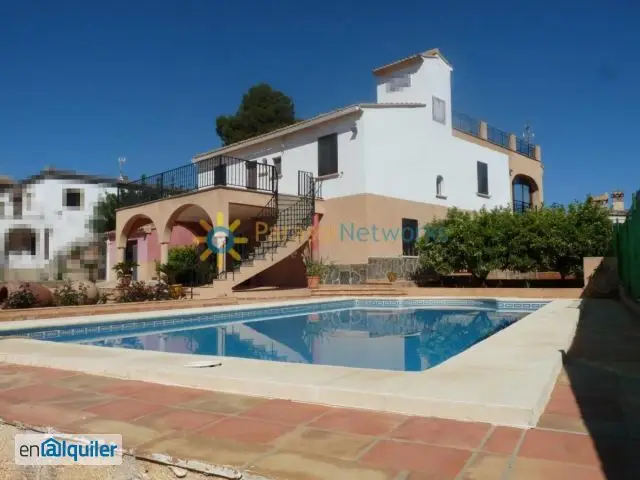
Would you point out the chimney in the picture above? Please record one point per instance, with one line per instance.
(602, 200)
(617, 199)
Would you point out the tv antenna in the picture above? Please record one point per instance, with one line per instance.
(121, 162)
(528, 134)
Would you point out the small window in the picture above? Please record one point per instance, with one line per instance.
(27, 202)
(72, 198)
(439, 110)
(277, 163)
(1, 209)
(328, 155)
(409, 237)
(483, 179)
(398, 83)
(32, 243)
(47, 232)
(439, 186)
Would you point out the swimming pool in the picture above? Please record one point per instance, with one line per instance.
(394, 334)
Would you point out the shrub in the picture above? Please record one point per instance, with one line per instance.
(21, 298)
(66, 295)
(141, 292)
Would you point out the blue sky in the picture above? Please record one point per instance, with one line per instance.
(82, 83)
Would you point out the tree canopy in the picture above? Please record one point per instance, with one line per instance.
(262, 110)
(547, 239)
(104, 214)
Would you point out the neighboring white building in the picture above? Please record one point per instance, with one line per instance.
(43, 217)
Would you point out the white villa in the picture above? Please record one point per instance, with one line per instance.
(43, 217)
(393, 164)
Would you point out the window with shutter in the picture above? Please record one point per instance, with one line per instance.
(328, 155)
(439, 110)
(483, 179)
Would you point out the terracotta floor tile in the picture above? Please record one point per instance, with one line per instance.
(207, 449)
(442, 461)
(48, 373)
(45, 415)
(224, 403)
(325, 443)
(124, 388)
(559, 446)
(564, 401)
(503, 440)
(439, 431)
(168, 395)
(89, 383)
(177, 419)
(34, 393)
(286, 411)
(124, 409)
(533, 469)
(359, 421)
(245, 430)
(300, 466)
(486, 466)
(132, 434)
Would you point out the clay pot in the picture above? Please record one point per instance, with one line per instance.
(44, 297)
(313, 281)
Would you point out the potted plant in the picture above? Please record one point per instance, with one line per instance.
(315, 271)
(168, 273)
(124, 272)
(392, 276)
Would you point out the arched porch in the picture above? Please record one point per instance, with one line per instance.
(525, 193)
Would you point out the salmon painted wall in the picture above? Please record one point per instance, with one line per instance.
(148, 246)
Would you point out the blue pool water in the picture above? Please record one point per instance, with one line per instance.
(389, 335)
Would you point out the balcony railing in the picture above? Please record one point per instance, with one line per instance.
(466, 124)
(219, 171)
(520, 207)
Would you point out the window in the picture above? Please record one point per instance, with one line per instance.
(277, 163)
(32, 243)
(1, 209)
(398, 83)
(439, 110)
(439, 186)
(409, 237)
(27, 201)
(47, 232)
(483, 179)
(72, 198)
(328, 155)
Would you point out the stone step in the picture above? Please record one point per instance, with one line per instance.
(357, 293)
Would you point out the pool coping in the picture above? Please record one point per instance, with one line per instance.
(506, 379)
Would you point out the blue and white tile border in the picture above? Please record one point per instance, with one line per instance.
(81, 328)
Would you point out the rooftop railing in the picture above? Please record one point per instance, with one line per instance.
(477, 128)
(221, 171)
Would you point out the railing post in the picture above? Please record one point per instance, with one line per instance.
(512, 142)
(482, 131)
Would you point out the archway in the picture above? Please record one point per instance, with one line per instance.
(136, 242)
(524, 193)
(184, 246)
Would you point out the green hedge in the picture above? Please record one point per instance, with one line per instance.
(626, 247)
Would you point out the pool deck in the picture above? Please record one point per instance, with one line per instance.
(590, 428)
(506, 379)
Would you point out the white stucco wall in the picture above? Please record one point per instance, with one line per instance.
(47, 211)
(299, 152)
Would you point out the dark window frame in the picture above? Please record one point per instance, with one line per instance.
(409, 237)
(482, 174)
(328, 155)
(73, 192)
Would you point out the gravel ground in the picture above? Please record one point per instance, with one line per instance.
(131, 469)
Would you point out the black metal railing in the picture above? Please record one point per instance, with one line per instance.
(279, 226)
(520, 207)
(466, 124)
(497, 136)
(213, 172)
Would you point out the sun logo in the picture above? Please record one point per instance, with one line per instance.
(220, 239)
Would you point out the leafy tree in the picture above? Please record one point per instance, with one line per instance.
(262, 110)
(104, 214)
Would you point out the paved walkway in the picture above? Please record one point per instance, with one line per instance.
(298, 441)
(589, 430)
